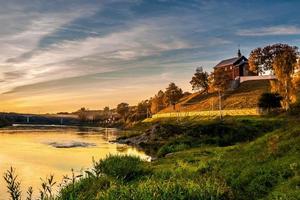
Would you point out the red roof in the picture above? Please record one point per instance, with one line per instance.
(230, 61)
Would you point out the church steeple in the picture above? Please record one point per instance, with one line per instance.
(239, 54)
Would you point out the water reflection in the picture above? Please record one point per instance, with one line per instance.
(29, 150)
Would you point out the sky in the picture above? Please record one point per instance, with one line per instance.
(61, 55)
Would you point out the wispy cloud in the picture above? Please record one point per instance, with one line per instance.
(139, 41)
(269, 31)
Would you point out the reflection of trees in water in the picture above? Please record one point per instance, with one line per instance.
(107, 134)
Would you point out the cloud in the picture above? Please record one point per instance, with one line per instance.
(59, 60)
(22, 41)
(269, 31)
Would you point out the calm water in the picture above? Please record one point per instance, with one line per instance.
(36, 152)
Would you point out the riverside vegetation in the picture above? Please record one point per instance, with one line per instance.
(235, 158)
(197, 158)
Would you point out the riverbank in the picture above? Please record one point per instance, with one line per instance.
(165, 136)
(238, 158)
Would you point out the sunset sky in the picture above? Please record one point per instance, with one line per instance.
(60, 55)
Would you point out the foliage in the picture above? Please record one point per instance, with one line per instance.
(268, 167)
(29, 193)
(142, 111)
(158, 102)
(82, 115)
(13, 185)
(269, 101)
(106, 109)
(85, 188)
(173, 94)
(262, 59)
(282, 60)
(171, 189)
(200, 80)
(123, 110)
(123, 168)
(46, 192)
(221, 80)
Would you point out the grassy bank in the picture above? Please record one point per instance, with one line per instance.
(250, 159)
(237, 158)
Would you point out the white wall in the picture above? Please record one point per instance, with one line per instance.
(252, 78)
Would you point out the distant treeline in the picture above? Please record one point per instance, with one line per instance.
(15, 118)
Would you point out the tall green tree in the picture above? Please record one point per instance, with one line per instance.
(199, 81)
(173, 94)
(123, 110)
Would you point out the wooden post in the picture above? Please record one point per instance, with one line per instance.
(220, 104)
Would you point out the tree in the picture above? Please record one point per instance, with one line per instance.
(106, 109)
(282, 60)
(200, 80)
(255, 61)
(269, 100)
(221, 79)
(142, 110)
(173, 94)
(262, 59)
(283, 66)
(158, 102)
(123, 110)
(82, 114)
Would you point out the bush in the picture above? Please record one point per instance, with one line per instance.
(269, 101)
(122, 167)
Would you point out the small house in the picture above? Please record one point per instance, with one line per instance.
(235, 67)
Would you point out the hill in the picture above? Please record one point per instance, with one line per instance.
(245, 96)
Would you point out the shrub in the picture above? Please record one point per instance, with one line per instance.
(121, 167)
(269, 101)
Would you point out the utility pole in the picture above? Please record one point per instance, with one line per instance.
(220, 104)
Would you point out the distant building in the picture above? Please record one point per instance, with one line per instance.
(235, 67)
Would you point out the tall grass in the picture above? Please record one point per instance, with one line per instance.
(13, 184)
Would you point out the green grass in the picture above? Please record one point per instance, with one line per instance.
(260, 160)
(246, 96)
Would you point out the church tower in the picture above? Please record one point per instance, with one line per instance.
(239, 54)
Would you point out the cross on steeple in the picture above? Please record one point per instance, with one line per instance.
(239, 54)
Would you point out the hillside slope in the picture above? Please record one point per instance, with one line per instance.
(246, 96)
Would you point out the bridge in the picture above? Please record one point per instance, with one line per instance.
(17, 118)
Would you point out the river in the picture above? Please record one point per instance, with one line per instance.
(38, 151)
